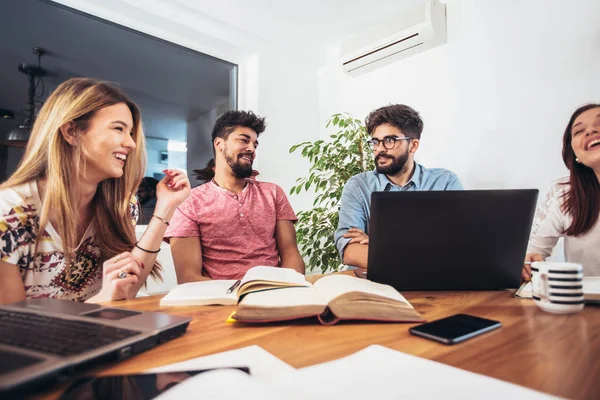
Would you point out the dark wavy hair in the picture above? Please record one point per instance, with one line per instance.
(232, 119)
(582, 200)
(206, 173)
(398, 115)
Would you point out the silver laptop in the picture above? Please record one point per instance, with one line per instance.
(43, 341)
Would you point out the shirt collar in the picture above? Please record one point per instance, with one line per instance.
(416, 179)
(218, 188)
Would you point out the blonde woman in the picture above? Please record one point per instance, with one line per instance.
(67, 214)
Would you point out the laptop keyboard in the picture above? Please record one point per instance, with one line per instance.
(54, 335)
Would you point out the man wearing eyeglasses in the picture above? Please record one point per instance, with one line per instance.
(395, 134)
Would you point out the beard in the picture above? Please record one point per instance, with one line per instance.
(238, 167)
(394, 167)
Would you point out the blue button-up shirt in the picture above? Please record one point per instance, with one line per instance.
(355, 207)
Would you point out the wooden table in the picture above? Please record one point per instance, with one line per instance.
(556, 354)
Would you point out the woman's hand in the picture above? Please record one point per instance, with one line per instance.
(119, 276)
(173, 189)
(529, 258)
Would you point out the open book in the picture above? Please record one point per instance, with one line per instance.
(215, 292)
(332, 298)
(591, 289)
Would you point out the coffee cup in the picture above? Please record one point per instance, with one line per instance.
(557, 287)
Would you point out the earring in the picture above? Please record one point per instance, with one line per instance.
(577, 159)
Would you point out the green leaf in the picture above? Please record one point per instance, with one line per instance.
(332, 163)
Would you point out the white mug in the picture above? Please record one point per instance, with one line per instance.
(557, 287)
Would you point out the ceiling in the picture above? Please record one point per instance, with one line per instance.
(171, 84)
(314, 24)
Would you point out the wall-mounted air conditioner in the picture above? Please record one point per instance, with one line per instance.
(413, 32)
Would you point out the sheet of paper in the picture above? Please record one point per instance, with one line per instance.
(377, 372)
(591, 285)
(263, 365)
(226, 385)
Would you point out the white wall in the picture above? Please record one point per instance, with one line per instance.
(288, 98)
(496, 98)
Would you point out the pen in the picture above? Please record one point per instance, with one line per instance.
(235, 285)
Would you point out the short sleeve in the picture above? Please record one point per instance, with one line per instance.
(283, 207)
(184, 222)
(9, 241)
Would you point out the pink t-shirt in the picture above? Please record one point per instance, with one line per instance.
(237, 231)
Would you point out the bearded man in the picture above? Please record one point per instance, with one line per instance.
(395, 135)
(233, 222)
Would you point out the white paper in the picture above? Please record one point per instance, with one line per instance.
(377, 372)
(263, 365)
(591, 285)
(225, 385)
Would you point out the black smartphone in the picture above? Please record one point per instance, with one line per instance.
(455, 329)
(130, 387)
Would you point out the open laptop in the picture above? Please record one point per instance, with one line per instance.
(450, 240)
(45, 340)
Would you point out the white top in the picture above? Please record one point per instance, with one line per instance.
(550, 224)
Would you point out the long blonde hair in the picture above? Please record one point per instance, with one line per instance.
(48, 155)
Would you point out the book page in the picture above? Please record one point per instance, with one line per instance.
(285, 297)
(274, 274)
(378, 372)
(200, 293)
(333, 286)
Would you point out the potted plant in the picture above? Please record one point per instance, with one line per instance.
(333, 162)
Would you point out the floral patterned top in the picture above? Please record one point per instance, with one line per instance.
(45, 274)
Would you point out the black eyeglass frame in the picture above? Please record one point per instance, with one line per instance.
(389, 142)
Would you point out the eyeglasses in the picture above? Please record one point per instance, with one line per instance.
(389, 142)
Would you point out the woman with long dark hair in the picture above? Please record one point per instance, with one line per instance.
(572, 207)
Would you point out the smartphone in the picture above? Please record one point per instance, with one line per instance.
(130, 387)
(455, 329)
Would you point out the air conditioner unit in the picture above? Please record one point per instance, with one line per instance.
(413, 32)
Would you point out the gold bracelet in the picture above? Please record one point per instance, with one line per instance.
(161, 218)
